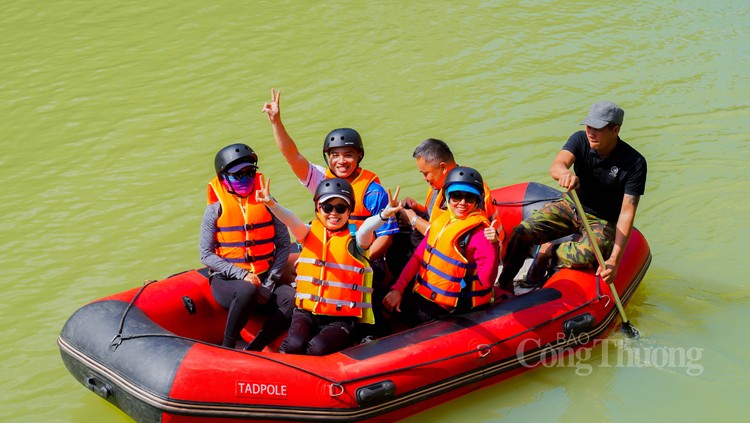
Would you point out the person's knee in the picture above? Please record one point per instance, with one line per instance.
(244, 293)
(522, 233)
(331, 338)
(316, 347)
(285, 299)
(292, 345)
(576, 257)
(321, 346)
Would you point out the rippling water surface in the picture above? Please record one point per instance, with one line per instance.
(111, 114)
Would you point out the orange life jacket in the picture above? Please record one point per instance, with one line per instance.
(445, 268)
(489, 206)
(244, 231)
(333, 277)
(360, 179)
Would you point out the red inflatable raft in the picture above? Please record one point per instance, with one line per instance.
(152, 351)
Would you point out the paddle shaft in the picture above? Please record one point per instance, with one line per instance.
(598, 253)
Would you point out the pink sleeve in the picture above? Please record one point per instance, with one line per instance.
(411, 268)
(485, 254)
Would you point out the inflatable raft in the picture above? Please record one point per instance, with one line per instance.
(154, 351)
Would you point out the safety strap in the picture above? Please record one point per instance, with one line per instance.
(460, 294)
(245, 227)
(452, 261)
(248, 243)
(332, 265)
(341, 303)
(322, 282)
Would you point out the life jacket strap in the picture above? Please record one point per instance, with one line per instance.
(323, 282)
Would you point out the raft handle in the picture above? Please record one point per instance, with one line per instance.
(98, 386)
(484, 350)
(579, 325)
(375, 393)
(336, 389)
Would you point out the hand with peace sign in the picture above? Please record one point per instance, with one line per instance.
(271, 108)
(263, 194)
(366, 232)
(394, 206)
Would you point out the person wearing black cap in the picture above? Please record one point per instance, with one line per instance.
(609, 176)
(245, 249)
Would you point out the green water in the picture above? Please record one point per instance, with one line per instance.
(110, 114)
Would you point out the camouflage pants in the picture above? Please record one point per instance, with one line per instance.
(556, 220)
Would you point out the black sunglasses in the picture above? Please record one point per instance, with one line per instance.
(248, 172)
(457, 196)
(327, 208)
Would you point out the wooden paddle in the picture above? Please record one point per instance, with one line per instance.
(628, 328)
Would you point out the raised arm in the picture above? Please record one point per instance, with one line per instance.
(299, 164)
(295, 224)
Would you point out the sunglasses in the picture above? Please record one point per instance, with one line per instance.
(457, 196)
(241, 174)
(327, 208)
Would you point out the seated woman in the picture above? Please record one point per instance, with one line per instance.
(334, 277)
(245, 249)
(454, 267)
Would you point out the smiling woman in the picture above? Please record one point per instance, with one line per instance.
(334, 277)
(453, 269)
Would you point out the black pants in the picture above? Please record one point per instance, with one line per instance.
(317, 335)
(238, 297)
(415, 309)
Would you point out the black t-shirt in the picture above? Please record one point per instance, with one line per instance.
(604, 182)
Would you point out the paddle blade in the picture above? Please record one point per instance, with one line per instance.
(630, 330)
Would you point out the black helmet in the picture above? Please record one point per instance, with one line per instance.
(464, 179)
(232, 155)
(343, 137)
(334, 187)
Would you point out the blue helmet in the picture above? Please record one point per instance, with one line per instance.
(464, 179)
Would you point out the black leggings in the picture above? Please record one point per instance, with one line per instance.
(238, 297)
(316, 334)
